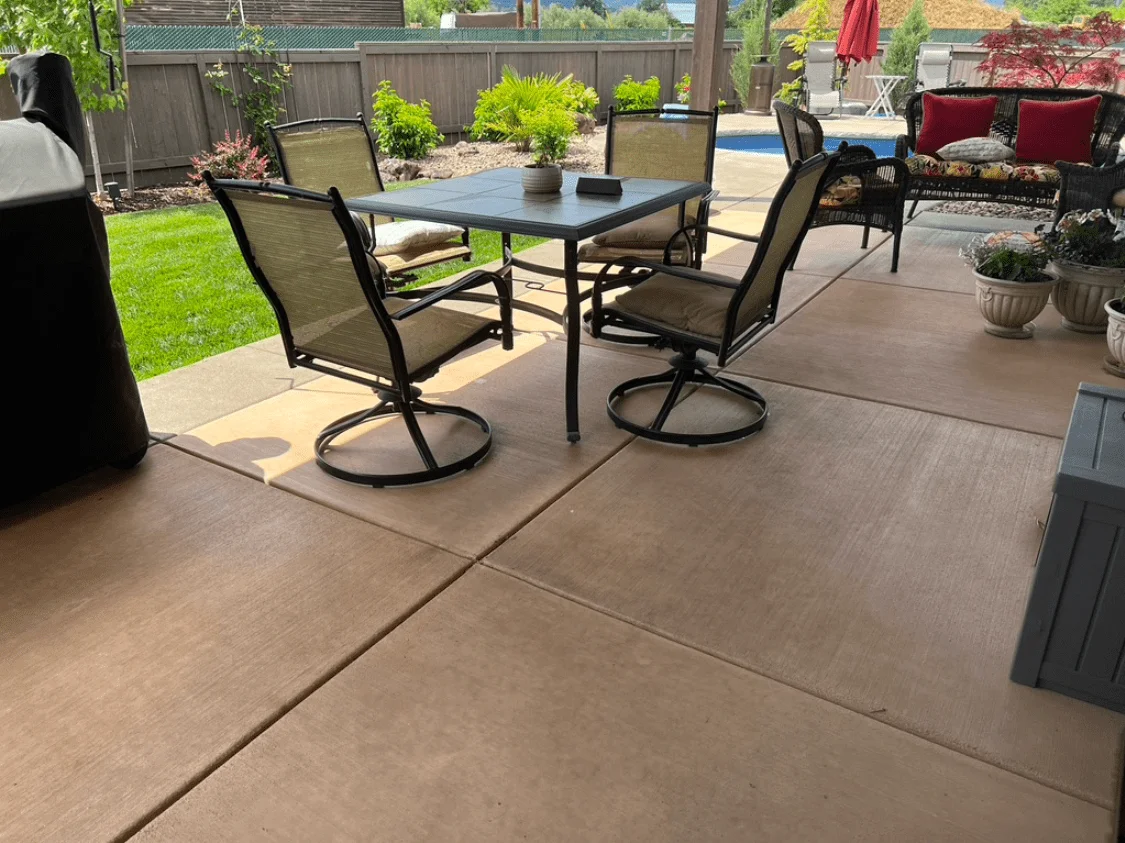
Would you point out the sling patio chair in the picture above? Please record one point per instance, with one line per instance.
(662, 143)
(864, 190)
(822, 91)
(340, 152)
(692, 310)
(932, 67)
(305, 254)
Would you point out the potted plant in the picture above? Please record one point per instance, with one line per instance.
(551, 129)
(1088, 256)
(1012, 283)
(1115, 334)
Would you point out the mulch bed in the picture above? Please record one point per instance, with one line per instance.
(155, 198)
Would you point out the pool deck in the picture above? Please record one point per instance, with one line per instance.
(837, 127)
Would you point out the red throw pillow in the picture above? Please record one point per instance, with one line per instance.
(1057, 131)
(949, 119)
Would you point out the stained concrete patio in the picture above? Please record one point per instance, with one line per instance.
(803, 636)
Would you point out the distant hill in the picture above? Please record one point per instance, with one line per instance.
(941, 14)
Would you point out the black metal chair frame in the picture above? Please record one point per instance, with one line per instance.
(1108, 130)
(398, 396)
(695, 249)
(879, 208)
(686, 367)
(283, 166)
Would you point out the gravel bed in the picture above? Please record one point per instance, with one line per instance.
(995, 209)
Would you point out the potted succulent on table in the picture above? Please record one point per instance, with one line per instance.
(1013, 286)
(1088, 256)
(1115, 334)
(551, 130)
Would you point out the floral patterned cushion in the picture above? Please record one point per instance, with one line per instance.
(926, 165)
(846, 190)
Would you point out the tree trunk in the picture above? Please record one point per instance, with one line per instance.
(519, 14)
(99, 187)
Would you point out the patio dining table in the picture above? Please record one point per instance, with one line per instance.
(495, 200)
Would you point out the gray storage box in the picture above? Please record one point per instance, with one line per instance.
(1073, 637)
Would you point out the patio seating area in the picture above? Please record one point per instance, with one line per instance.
(805, 635)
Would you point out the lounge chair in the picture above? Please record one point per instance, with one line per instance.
(692, 310)
(932, 67)
(822, 91)
(340, 152)
(864, 190)
(306, 255)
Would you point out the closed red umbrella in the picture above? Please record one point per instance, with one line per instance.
(859, 33)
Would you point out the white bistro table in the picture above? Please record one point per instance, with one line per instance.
(883, 87)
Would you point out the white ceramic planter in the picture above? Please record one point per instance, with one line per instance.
(542, 179)
(1009, 306)
(1115, 338)
(1082, 293)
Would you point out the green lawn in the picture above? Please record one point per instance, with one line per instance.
(184, 292)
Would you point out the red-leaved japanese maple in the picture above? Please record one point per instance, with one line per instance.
(1028, 56)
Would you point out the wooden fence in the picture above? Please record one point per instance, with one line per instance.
(176, 113)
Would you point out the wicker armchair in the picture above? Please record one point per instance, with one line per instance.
(864, 190)
(692, 310)
(340, 152)
(305, 254)
(1085, 188)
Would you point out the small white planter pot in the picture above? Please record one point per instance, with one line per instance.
(1082, 293)
(1115, 338)
(542, 179)
(1009, 306)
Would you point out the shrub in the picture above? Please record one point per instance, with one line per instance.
(551, 129)
(503, 111)
(403, 129)
(559, 17)
(632, 95)
(232, 159)
(754, 13)
(902, 52)
(1024, 56)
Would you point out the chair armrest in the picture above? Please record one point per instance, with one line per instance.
(867, 169)
(902, 150)
(701, 231)
(474, 279)
(688, 273)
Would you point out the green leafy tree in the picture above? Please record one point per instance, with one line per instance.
(63, 26)
(422, 13)
(1056, 11)
(638, 19)
(653, 6)
(899, 59)
(598, 7)
(260, 93)
(559, 17)
(815, 29)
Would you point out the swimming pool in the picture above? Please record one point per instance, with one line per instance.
(771, 144)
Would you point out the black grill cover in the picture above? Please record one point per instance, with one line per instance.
(70, 402)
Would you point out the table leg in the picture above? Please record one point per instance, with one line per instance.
(573, 337)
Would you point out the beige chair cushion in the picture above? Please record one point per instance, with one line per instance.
(405, 235)
(593, 253)
(650, 232)
(686, 306)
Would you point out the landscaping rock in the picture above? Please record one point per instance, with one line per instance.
(408, 171)
(465, 148)
(439, 174)
(586, 124)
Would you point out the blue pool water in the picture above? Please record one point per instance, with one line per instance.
(771, 144)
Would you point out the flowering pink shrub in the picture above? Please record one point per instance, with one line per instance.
(232, 159)
(1031, 56)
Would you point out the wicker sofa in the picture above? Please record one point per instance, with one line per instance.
(1014, 183)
